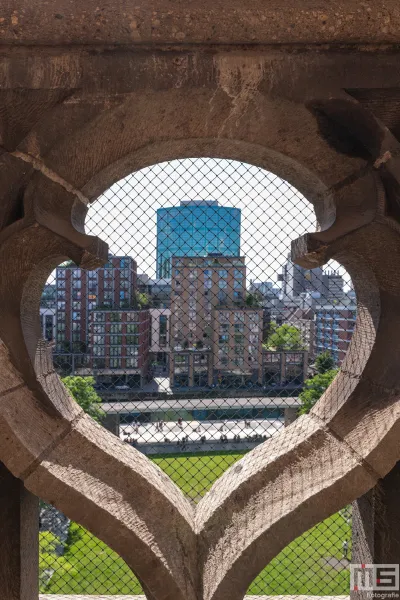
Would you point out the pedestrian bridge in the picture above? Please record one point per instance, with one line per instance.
(177, 404)
(199, 409)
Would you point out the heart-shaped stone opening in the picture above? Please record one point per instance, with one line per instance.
(195, 452)
(218, 342)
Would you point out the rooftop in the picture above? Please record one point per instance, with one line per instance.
(199, 203)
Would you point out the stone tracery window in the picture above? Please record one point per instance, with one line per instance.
(268, 213)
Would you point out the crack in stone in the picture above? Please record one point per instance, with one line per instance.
(349, 180)
(49, 449)
(12, 389)
(39, 165)
(365, 464)
(362, 379)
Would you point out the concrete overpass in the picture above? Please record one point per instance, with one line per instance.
(161, 406)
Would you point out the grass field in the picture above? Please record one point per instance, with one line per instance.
(89, 567)
(195, 473)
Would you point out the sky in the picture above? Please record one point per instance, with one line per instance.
(273, 212)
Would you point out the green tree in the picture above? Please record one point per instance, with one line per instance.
(82, 390)
(324, 362)
(139, 301)
(314, 388)
(50, 563)
(252, 300)
(142, 300)
(284, 337)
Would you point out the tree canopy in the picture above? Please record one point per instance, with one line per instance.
(324, 362)
(314, 388)
(252, 300)
(284, 337)
(142, 300)
(82, 390)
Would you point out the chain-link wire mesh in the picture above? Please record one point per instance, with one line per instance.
(197, 341)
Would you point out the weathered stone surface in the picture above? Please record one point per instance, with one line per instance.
(271, 496)
(26, 431)
(126, 500)
(375, 526)
(19, 534)
(118, 22)
(115, 88)
(78, 597)
(376, 536)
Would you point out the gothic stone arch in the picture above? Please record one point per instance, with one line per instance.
(74, 120)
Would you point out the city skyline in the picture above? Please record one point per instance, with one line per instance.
(115, 218)
(268, 222)
(246, 214)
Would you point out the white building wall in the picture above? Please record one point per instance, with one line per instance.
(155, 314)
(47, 315)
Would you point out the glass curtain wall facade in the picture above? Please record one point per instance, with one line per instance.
(196, 228)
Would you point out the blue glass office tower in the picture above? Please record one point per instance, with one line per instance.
(196, 228)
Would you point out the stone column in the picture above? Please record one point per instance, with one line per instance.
(19, 540)
(376, 525)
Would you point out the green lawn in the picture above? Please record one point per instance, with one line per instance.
(195, 473)
(90, 567)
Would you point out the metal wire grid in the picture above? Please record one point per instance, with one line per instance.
(197, 337)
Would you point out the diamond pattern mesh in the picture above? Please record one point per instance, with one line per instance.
(197, 341)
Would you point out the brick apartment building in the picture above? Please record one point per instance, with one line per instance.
(214, 336)
(119, 346)
(195, 368)
(285, 368)
(334, 324)
(237, 345)
(303, 320)
(78, 292)
(199, 285)
(191, 368)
